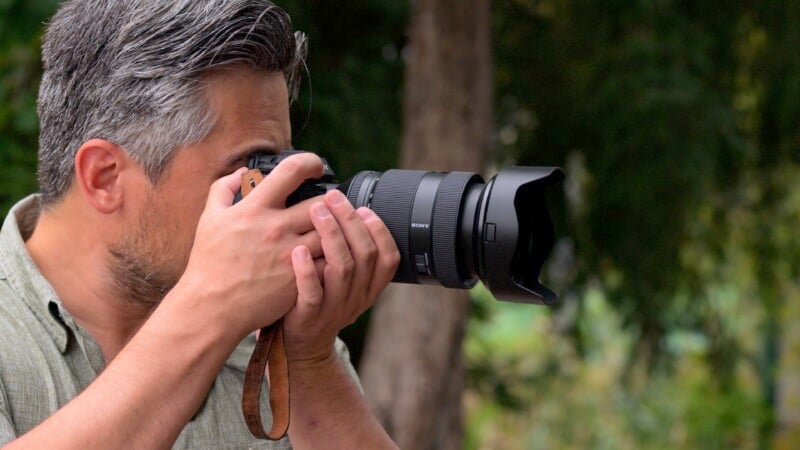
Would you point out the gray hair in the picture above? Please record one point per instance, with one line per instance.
(131, 72)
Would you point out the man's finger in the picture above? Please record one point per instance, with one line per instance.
(298, 216)
(313, 243)
(285, 179)
(224, 189)
(340, 267)
(309, 290)
(388, 256)
(362, 248)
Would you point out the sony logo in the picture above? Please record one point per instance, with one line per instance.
(420, 225)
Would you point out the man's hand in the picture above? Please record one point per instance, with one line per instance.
(361, 257)
(242, 254)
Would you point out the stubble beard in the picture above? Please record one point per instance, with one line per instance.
(147, 262)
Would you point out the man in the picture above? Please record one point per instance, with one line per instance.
(130, 285)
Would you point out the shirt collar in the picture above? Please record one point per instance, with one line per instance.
(24, 276)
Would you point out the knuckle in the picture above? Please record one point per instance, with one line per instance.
(341, 268)
(368, 253)
(372, 250)
(218, 184)
(311, 159)
(291, 164)
(247, 213)
(304, 162)
(346, 266)
(312, 292)
(273, 233)
(329, 233)
(314, 299)
(351, 215)
(392, 259)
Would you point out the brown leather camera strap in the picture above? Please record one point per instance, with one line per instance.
(269, 349)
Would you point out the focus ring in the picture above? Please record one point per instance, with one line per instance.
(445, 229)
(355, 187)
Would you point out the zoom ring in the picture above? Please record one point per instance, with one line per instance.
(392, 202)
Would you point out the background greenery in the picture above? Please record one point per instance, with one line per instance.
(677, 123)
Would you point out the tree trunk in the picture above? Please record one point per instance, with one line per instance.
(412, 366)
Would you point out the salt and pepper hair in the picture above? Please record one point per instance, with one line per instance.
(131, 72)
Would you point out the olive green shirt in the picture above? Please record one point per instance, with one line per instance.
(46, 359)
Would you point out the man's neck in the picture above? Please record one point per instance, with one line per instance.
(74, 262)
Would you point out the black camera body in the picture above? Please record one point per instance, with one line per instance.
(451, 228)
(266, 162)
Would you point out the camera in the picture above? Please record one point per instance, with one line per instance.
(452, 228)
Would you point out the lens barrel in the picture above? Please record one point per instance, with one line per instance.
(453, 229)
(412, 205)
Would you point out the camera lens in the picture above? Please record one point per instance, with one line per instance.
(452, 229)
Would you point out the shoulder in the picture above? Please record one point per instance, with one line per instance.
(28, 365)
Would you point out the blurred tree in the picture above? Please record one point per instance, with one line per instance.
(775, 68)
(412, 370)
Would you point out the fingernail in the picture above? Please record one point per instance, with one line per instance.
(365, 213)
(336, 198)
(321, 211)
(301, 254)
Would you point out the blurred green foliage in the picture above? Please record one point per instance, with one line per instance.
(677, 123)
(531, 389)
(350, 108)
(20, 30)
(640, 95)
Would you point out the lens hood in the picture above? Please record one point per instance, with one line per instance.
(516, 234)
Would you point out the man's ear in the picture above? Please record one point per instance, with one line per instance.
(99, 165)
